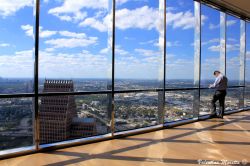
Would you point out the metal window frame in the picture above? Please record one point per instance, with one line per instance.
(36, 76)
(112, 135)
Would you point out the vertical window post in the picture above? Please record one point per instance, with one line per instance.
(223, 42)
(36, 81)
(113, 69)
(197, 58)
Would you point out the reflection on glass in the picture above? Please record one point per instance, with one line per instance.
(233, 50)
(16, 123)
(137, 110)
(223, 27)
(75, 43)
(179, 105)
(16, 47)
(242, 51)
(139, 44)
(180, 43)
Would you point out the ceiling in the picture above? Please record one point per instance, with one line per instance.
(241, 7)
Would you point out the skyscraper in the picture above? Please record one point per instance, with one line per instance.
(58, 115)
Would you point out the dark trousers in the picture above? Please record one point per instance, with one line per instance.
(219, 95)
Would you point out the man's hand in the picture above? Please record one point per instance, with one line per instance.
(210, 86)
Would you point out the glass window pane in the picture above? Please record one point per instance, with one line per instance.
(233, 50)
(180, 43)
(206, 96)
(16, 123)
(137, 110)
(210, 46)
(16, 47)
(75, 43)
(71, 117)
(139, 45)
(179, 105)
(232, 99)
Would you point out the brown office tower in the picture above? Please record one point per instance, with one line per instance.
(58, 115)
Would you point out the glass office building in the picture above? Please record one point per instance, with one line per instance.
(80, 70)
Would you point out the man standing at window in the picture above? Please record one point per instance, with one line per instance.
(220, 84)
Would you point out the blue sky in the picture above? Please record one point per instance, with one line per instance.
(75, 39)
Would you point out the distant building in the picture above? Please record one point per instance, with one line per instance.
(58, 116)
(109, 103)
(95, 103)
(83, 127)
(84, 106)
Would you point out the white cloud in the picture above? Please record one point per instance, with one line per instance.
(10, 7)
(154, 42)
(94, 23)
(126, 19)
(143, 68)
(71, 40)
(67, 39)
(146, 52)
(43, 33)
(229, 23)
(213, 26)
(129, 38)
(58, 65)
(72, 34)
(46, 33)
(214, 40)
(120, 2)
(230, 47)
(120, 51)
(28, 30)
(173, 44)
(184, 20)
(233, 47)
(214, 48)
(71, 10)
(4, 44)
(20, 64)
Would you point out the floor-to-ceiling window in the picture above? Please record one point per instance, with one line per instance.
(138, 63)
(179, 59)
(16, 74)
(233, 61)
(75, 56)
(210, 55)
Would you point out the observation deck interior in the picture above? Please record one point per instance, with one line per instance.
(212, 139)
